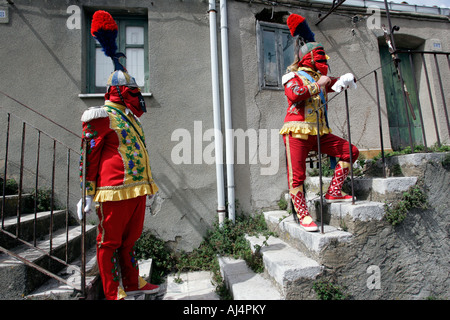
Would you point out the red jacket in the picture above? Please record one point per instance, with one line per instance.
(303, 99)
(117, 162)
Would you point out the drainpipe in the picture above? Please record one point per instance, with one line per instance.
(216, 111)
(229, 142)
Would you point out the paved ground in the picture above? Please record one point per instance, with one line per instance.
(190, 286)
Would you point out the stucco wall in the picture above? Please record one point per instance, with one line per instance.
(352, 48)
(43, 66)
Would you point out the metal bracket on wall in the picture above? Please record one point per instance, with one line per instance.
(334, 6)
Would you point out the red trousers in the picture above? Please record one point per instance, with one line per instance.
(297, 151)
(120, 226)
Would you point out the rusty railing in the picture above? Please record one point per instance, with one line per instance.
(30, 177)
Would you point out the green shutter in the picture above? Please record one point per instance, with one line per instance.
(122, 22)
(395, 102)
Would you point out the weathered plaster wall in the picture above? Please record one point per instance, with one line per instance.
(43, 66)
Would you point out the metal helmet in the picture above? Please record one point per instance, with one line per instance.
(121, 78)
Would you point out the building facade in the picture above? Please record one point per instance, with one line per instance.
(51, 64)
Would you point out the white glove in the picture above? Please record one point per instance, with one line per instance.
(87, 208)
(344, 82)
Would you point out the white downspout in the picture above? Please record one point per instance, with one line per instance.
(216, 111)
(229, 141)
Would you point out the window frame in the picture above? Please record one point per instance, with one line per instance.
(279, 30)
(123, 21)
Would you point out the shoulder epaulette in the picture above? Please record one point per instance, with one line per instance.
(287, 77)
(94, 113)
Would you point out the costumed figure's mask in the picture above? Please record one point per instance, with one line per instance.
(129, 97)
(315, 59)
(121, 87)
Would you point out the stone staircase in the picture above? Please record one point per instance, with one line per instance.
(20, 281)
(356, 240)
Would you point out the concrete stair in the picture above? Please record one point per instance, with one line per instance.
(371, 189)
(55, 290)
(295, 259)
(245, 284)
(17, 279)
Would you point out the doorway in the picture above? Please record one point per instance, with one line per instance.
(398, 118)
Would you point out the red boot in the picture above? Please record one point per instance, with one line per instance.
(302, 215)
(143, 288)
(334, 193)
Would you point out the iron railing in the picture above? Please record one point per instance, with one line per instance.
(61, 177)
(69, 152)
(376, 80)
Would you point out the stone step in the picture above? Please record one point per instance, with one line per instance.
(346, 215)
(192, 285)
(17, 279)
(55, 290)
(311, 243)
(291, 270)
(374, 189)
(245, 284)
(413, 164)
(11, 202)
(27, 226)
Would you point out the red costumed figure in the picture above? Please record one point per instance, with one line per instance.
(306, 86)
(118, 174)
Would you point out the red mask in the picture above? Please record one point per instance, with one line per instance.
(316, 60)
(129, 97)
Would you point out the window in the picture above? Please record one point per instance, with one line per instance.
(132, 41)
(276, 53)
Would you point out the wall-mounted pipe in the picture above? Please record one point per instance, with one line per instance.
(216, 111)
(229, 140)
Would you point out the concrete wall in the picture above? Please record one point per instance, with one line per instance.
(353, 48)
(43, 66)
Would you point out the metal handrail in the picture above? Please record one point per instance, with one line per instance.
(17, 234)
(380, 119)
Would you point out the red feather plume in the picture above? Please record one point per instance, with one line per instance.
(104, 29)
(102, 20)
(293, 21)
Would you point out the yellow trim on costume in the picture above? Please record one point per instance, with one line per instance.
(313, 88)
(289, 162)
(296, 190)
(315, 74)
(141, 283)
(100, 223)
(307, 220)
(303, 128)
(344, 164)
(90, 188)
(299, 136)
(124, 192)
(120, 293)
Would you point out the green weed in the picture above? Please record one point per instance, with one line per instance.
(415, 197)
(326, 290)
